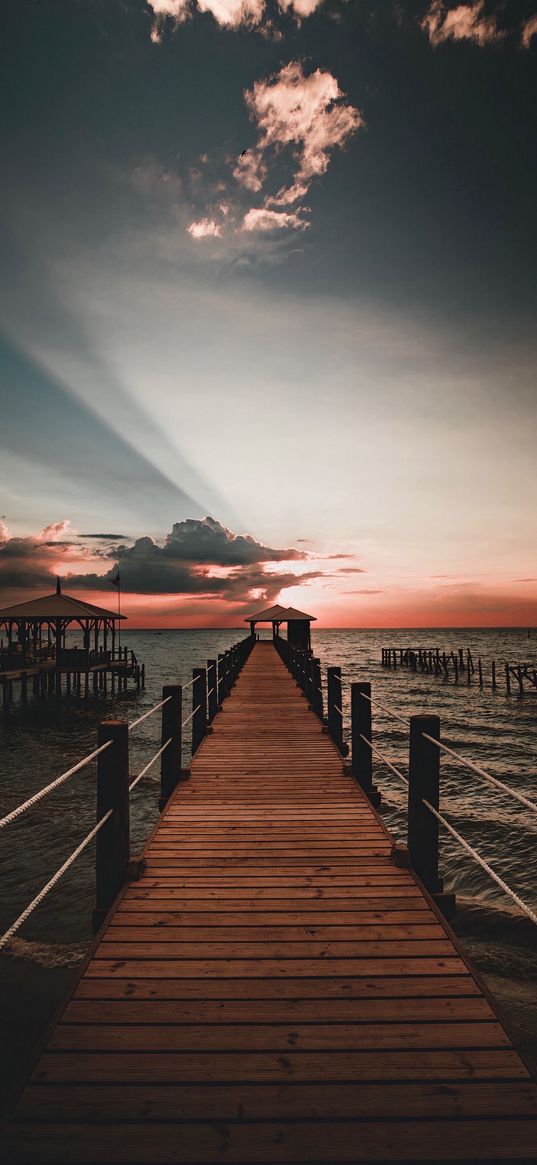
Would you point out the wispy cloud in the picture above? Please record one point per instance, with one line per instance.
(300, 120)
(204, 228)
(464, 22)
(529, 30)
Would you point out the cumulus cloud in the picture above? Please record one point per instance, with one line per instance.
(204, 228)
(529, 30)
(262, 219)
(464, 22)
(300, 8)
(199, 557)
(54, 532)
(305, 114)
(251, 170)
(227, 13)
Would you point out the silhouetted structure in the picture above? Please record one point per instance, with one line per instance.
(298, 624)
(36, 649)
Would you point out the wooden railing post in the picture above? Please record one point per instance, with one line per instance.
(212, 689)
(317, 693)
(170, 759)
(335, 718)
(361, 755)
(424, 782)
(113, 840)
(220, 677)
(199, 707)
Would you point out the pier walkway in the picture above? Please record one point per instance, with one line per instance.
(273, 989)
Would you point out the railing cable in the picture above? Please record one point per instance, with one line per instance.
(149, 765)
(189, 718)
(53, 785)
(54, 880)
(377, 752)
(135, 723)
(481, 862)
(481, 772)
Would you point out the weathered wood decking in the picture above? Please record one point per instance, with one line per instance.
(273, 989)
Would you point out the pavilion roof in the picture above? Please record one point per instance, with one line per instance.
(279, 614)
(56, 606)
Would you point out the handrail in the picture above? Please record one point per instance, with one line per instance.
(149, 765)
(189, 718)
(53, 785)
(482, 772)
(377, 752)
(5, 938)
(481, 862)
(135, 723)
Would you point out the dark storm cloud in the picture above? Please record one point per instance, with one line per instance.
(200, 558)
(104, 537)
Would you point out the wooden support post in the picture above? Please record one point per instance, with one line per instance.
(170, 759)
(468, 669)
(221, 677)
(519, 676)
(212, 690)
(456, 668)
(335, 718)
(199, 707)
(424, 782)
(480, 672)
(508, 679)
(113, 840)
(317, 693)
(361, 755)
(493, 675)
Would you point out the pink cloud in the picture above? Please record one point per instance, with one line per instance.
(261, 219)
(178, 10)
(227, 13)
(251, 170)
(529, 30)
(300, 7)
(465, 22)
(305, 113)
(55, 532)
(203, 229)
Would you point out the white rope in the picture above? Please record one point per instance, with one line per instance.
(53, 881)
(53, 785)
(481, 862)
(482, 773)
(383, 708)
(190, 682)
(189, 718)
(383, 758)
(135, 723)
(149, 765)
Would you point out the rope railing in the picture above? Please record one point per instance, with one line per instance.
(52, 882)
(149, 765)
(135, 723)
(15, 813)
(189, 718)
(482, 773)
(481, 862)
(376, 752)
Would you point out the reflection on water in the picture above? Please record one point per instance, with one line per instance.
(497, 731)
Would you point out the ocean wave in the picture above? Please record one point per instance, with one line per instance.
(46, 954)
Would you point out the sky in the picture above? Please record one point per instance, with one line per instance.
(267, 308)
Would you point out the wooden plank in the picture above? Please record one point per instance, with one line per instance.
(257, 1036)
(242, 1143)
(137, 1067)
(225, 968)
(317, 987)
(276, 1010)
(146, 1102)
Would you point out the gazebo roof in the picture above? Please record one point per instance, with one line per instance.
(279, 614)
(56, 606)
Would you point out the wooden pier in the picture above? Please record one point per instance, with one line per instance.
(273, 989)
